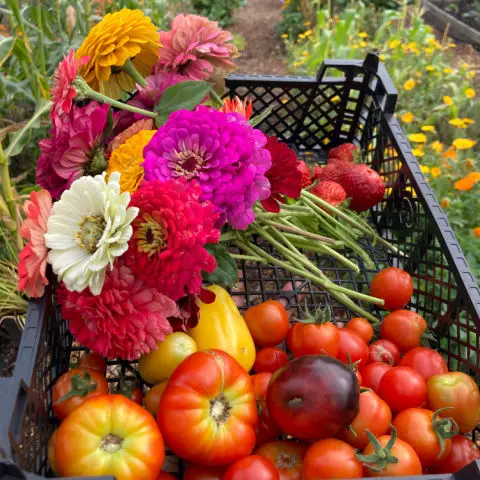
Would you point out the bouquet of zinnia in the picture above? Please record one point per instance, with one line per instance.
(145, 170)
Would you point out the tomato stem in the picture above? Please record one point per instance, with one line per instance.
(81, 387)
(379, 460)
(444, 428)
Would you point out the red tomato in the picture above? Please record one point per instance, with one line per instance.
(200, 472)
(393, 285)
(252, 467)
(93, 361)
(266, 429)
(260, 384)
(207, 412)
(352, 348)
(373, 373)
(130, 390)
(268, 323)
(137, 395)
(287, 456)
(374, 415)
(166, 476)
(313, 339)
(109, 435)
(359, 377)
(462, 452)
(425, 361)
(384, 351)
(402, 387)
(362, 327)
(420, 428)
(269, 360)
(459, 391)
(74, 387)
(331, 458)
(408, 462)
(404, 328)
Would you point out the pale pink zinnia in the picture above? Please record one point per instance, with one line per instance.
(33, 258)
(194, 46)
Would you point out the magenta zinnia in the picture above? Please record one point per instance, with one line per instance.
(194, 46)
(125, 321)
(220, 150)
(167, 247)
(284, 177)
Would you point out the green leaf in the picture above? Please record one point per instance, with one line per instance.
(181, 96)
(20, 138)
(6, 47)
(261, 117)
(225, 274)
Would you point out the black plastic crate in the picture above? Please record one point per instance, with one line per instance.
(348, 101)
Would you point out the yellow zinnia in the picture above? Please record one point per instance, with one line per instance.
(418, 152)
(437, 146)
(418, 137)
(470, 92)
(447, 100)
(409, 84)
(127, 35)
(463, 143)
(407, 117)
(394, 44)
(447, 70)
(428, 128)
(363, 34)
(429, 68)
(425, 168)
(127, 160)
(436, 172)
(457, 122)
(363, 44)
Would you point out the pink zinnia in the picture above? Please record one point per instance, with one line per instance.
(33, 257)
(194, 46)
(125, 321)
(63, 91)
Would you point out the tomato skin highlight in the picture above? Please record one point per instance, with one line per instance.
(373, 373)
(404, 328)
(64, 384)
(117, 423)
(252, 467)
(457, 390)
(331, 458)
(394, 286)
(414, 426)
(352, 348)
(402, 387)
(362, 327)
(374, 415)
(384, 351)
(313, 339)
(268, 323)
(269, 360)
(286, 455)
(462, 452)
(207, 412)
(425, 361)
(200, 472)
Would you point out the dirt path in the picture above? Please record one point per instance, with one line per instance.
(256, 23)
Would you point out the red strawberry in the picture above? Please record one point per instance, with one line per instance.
(331, 192)
(365, 186)
(330, 172)
(343, 152)
(306, 177)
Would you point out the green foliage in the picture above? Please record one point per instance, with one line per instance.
(225, 274)
(219, 10)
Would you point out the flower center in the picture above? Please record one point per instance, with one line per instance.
(189, 161)
(90, 233)
(150, 236)
(97, 163)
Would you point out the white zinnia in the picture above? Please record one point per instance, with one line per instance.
(88, 228)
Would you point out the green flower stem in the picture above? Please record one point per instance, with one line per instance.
(299, 231)
(227, 236)
(253, 258)
(216, 97)
(295, 208)
(267, 215)
(129, 68)
(310, 245)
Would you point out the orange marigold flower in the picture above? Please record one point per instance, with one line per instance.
(450, 153)
(470, 93)
(238, 106)
(436, 172)
(447, 100)
(119, 37)
(476, 232)
(464, 184)
(445, 203)
(475, 176)
(407, 117)
(409, 84)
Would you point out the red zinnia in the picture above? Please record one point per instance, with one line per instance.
(284, 177)
(169, 233)
(126, 320)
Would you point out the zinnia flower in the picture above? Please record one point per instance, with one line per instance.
(33, 257)
(409, 84)
(447, 100)
(127, 35)
(222, 151)
(63, 91)
(284, 176)
(127, 160)
(126, 320)
(237, 106)
(74, 149)
(194, 46)
(407, 117)
(418, 137)
(89, 227)
(476, 232)
(464, 143)
(133, 129)
(167, 247)
(470, 93)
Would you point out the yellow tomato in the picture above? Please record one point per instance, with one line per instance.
(159, 364)
(153, 396)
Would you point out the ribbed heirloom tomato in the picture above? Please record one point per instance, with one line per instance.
(287, 456)
(208, 412)
(109, 435)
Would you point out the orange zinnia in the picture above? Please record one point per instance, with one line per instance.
(238, 106)
(464, 184)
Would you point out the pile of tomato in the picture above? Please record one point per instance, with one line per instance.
(336, 403)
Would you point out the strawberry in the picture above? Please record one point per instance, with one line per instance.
(331, 192)
(306, 177)
(364, 185)
(343, 152)
(330, 172)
